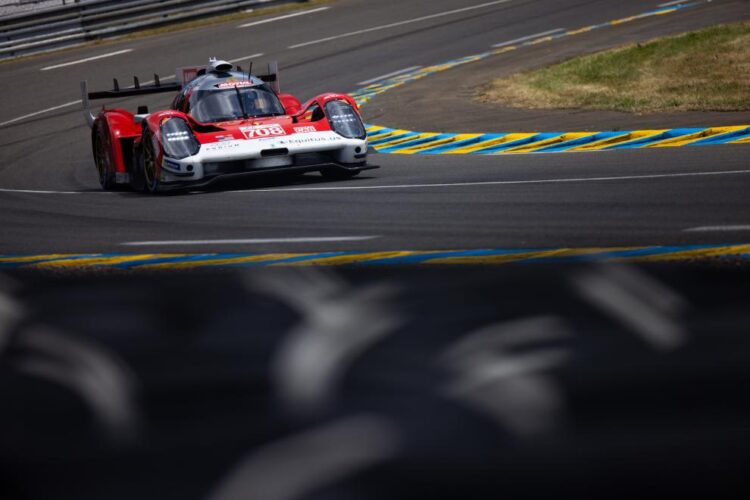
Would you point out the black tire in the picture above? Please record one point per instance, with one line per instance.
(149, 168)
(103, 158)
(338, 174)
(137, 181)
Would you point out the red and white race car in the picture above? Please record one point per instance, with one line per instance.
(223, 123)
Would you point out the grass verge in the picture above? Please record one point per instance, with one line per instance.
(706, 70)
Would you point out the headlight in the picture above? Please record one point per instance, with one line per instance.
(344, 120)
(177, 139)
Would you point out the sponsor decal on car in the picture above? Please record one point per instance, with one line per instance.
(258, 131)
(233, 82)
(172, 164)
(222, 138)
(305, 130)
(217, 146)
(309, 140)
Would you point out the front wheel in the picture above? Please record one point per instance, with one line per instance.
(137, 182)
(149, 168)
(103, 158)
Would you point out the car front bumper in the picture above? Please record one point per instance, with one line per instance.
(206, 182)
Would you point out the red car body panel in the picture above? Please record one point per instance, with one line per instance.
(121, 132)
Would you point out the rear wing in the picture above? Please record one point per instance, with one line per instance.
(183, 76)
(153, 87)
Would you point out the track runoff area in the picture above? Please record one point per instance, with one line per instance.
(400, 141)
(407, 142)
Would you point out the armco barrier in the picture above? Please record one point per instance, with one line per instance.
(73, 24)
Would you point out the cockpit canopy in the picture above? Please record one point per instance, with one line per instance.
(225, 96)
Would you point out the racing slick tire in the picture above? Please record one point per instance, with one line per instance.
(137, 181)
(148, 167)
(338, 175)
(103, 157)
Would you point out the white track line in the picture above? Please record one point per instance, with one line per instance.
(279, 18)
(35, 113)
(245, 58)
(251, 241)
(441, 185)
(80, 61)
(75, 103)
(389, 75)
(400, 23)
(39, 191)
(529, 37)
(669, 4)
(149, 82)
(502, 183)
(712, 229)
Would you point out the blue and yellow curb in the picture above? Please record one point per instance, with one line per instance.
(399, 141)
(173, 261)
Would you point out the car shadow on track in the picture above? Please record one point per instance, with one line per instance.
(270, 181)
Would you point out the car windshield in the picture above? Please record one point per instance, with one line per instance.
(227, 104)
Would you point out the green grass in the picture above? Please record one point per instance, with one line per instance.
(706, 70)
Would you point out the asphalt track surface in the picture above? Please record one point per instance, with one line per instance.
(651, 198)
(399, 382)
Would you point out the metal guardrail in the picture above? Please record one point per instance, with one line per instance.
(74, 24)
(13, 7)
(68, 10)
